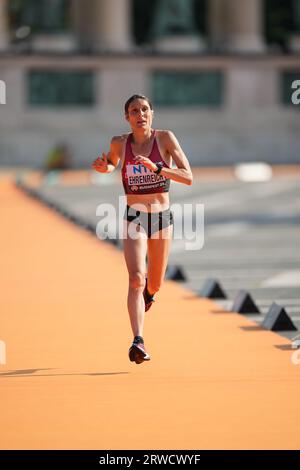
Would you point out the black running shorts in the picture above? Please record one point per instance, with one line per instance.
(151, 222)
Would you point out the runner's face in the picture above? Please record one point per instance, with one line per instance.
(139, 114)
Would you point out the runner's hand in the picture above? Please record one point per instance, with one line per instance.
(101, 164)
(146, 162)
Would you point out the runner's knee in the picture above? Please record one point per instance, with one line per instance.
(137, 280)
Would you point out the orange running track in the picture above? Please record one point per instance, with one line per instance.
(214, 381)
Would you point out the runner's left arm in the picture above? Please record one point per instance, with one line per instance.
(183, 173)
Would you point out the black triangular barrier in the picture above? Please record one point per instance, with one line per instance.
(72, 218)
(90, 228)
(243, 303)
(62, 211)
(113, 241)
(80, 222)
(175, 273)
(277, 319)
(212, 290)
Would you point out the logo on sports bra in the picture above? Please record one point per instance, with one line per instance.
(133, 170)
(141, 175)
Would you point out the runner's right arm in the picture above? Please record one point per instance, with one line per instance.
(108, 162)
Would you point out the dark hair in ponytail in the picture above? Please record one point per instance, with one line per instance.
(136, 97)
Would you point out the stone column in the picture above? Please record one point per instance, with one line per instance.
(4, 31)
(82, 21)
(216, 20)
(295, 38)
(244, 26)
(112, 26)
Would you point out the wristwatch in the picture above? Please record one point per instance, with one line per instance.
(160, 166)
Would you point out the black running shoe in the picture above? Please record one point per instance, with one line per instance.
(149, 299)
(138, 353)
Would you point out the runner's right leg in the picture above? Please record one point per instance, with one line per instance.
(135, 256)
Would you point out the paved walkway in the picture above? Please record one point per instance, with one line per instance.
(215, 381)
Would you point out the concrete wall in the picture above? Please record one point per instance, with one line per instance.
(251, 125)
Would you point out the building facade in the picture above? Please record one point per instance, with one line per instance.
(222, 74)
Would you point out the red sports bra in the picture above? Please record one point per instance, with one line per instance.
(138, 179)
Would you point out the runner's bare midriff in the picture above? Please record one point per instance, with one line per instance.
(156, 202)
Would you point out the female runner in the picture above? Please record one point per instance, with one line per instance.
(146, 161)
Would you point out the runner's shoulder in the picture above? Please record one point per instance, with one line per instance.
(119, 139)
(164, 135)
